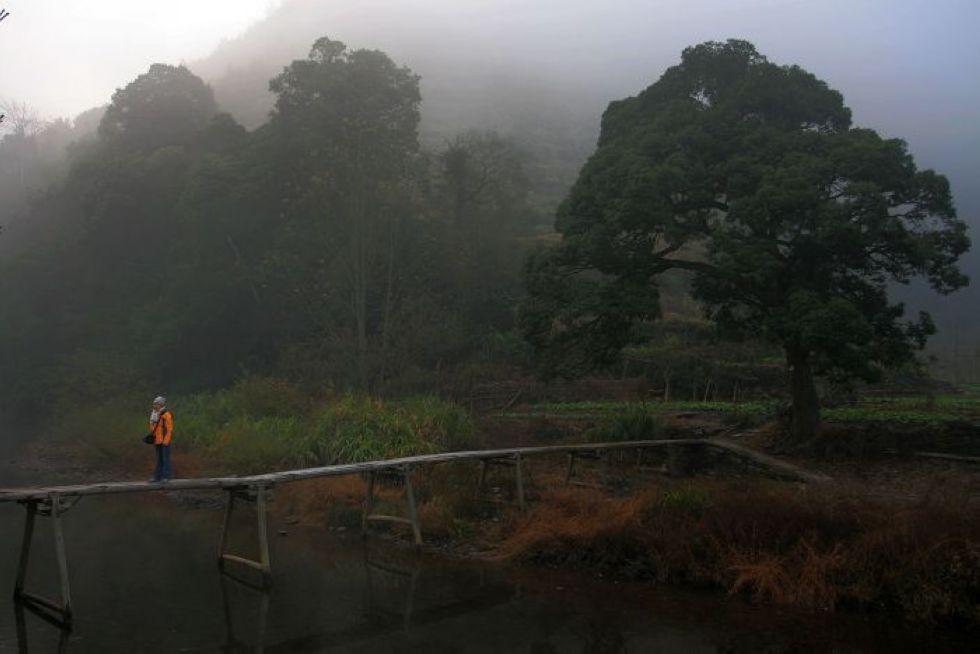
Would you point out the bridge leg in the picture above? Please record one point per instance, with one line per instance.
(515, 461)
(258, 495)
(59, 540)
(263, 527)
(483, 474)
(519, 478)
(368, 503)
(63, 610)
(413, 517)
(570, 469)
(225, 526)
(412, 512)
(25, 548)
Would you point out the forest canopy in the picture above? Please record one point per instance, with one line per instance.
(180, 251)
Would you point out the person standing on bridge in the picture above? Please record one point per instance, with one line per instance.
(162, 428)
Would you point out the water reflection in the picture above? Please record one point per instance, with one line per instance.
(382, 571)
(22, 607)
(261, 595)
(145, 579)
(391, 587)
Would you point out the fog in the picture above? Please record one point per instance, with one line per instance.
(908, 69)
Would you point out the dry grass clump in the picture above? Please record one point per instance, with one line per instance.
(772, 542)
(581, 527)
(329, 501)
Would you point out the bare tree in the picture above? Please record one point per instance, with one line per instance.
(20, 118)
(21, 121)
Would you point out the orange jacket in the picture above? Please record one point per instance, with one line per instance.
(163, 429)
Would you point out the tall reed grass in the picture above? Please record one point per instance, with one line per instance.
(769, 542)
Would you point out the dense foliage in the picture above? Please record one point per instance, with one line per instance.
(750, 177)
(176, 250)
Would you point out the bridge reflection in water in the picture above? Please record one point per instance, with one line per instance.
(392, 577)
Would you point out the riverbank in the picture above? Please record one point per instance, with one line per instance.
(144, 579)
(847, 545)
(890, 533)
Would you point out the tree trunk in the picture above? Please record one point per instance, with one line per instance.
(389, 295)
(806, 407)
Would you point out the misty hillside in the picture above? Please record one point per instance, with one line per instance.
(490, 69)
(466, 83)
(507, 113)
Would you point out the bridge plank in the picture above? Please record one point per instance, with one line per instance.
(41, 494)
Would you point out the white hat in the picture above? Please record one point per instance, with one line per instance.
(159, 399)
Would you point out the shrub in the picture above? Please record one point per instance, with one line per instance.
(248, 445)
(635, 423)
(361, 428)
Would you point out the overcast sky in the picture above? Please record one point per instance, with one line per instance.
(64, 56)
(908, 68)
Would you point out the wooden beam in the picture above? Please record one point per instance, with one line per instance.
(275, 478)
(271, 479)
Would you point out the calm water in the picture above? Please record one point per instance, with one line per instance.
(144, 579)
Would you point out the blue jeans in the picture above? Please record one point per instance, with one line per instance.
(163, 470)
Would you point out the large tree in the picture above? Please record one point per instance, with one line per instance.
(165, 106)
(791, 221)
(347, 125)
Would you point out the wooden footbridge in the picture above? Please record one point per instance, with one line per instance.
(54, 501)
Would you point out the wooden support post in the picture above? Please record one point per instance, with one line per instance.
(21, 627)
(225, 527)
(368, 503)
(25, 605)
(412, 512)
(59, 543)
(483, 474)
(263, 527)
(388, 568)
(516, 462)
(573, 458)
(519, 478)
(413, 517)
(232, 643)
(62, 610)
(412, 588)
(25, 548)
(258, 494)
